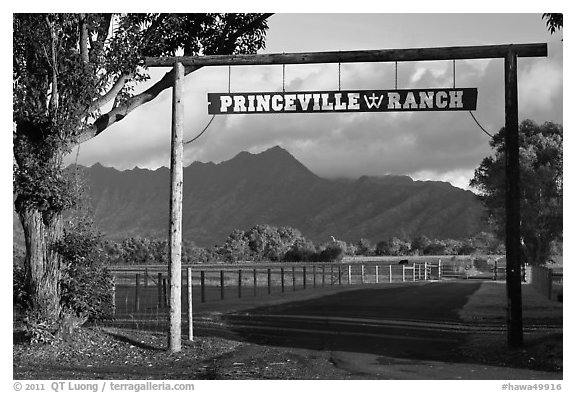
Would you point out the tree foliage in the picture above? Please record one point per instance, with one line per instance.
(541, 187)
(554, 22)
(74, 75)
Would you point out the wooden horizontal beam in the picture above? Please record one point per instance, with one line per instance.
(361, 56)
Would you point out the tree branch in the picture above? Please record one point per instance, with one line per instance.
(111, 94)
(120, 112)
(103, 31)
(84, 39)
(167, 81)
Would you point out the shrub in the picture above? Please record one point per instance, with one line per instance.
(86, 286)
(334, 252)
(20, 297)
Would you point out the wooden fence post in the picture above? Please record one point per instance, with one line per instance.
(495, 275)
(414, 272)
(159, 285)
(221, 284)
(239, 283)
(349, 274)
(304, 276)
(202, 287)
(294, 278)
(137, 300)
(269, 281)
(362, 275)
(314, 276)
(376, 274)
(146, 277)
(255, 283)
(332, 274)
(425, 271)
(403, 273)
(324, 275)
(282, 278)
(189, 287)
(390, 266)
(113, 295)
(439, 269)
(164, 294)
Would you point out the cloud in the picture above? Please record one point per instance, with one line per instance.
(444, 145)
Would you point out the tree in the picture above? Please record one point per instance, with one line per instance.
(554, 22)
(541, 187)
(393, 247)
(419, 244)
(66, 69)
(363, 247)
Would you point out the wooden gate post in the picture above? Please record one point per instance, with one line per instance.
(175, 231)
(513, 250)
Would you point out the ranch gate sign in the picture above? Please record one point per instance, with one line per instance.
(354, 101)
(343, 101)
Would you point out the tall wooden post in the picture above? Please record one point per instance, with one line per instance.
(175, 232)
(513, 263)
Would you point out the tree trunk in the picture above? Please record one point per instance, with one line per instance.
(42, 261)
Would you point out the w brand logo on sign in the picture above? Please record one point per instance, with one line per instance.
(372, 99)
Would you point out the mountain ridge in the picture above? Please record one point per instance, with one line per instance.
(274, 188)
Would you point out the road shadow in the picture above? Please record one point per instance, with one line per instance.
(406, 322)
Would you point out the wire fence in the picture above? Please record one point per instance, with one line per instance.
(142, 294)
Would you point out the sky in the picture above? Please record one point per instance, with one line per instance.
(444, 146)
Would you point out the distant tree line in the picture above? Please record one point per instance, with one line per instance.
(263, 243)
